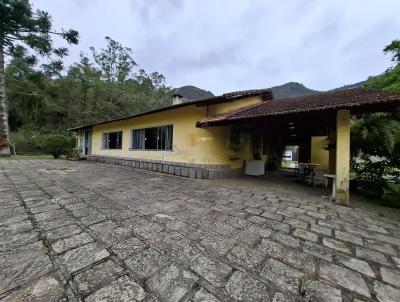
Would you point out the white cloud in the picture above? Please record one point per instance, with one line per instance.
(231, 45)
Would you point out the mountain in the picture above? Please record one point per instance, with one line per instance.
(193, 93)
(296, 89)
(355, 85)
(291, 89)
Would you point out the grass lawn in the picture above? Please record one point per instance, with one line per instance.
(18, 157)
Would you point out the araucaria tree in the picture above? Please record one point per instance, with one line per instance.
(21, 25)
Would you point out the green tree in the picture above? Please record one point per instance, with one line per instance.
(21, 24)
(375, 138)
(115, 61)
(25, 87)
(116, 65)
(390, 79)
(394, 49)
(376, 147)
(42, 102)
(79, 93)
(57, 145)
(123, 90)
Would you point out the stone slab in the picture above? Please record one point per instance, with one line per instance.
(124, 289)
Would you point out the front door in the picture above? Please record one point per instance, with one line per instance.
(82, 144)
(88, 142)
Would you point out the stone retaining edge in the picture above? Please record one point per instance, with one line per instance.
(197, 171)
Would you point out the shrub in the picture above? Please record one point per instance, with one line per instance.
(375, 147)
(75, 153)
(57, 145)
(27, 141)
(391, 195)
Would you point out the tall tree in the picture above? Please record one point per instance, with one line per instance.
(115, 61)
(116, 65)
(390, 79)
(21, 24)
(25, 89)
(375, 138)
(394, 49)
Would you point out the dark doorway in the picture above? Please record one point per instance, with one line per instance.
(290, 157)
(88, 142)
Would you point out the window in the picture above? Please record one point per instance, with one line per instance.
(155, 138)
(112, 140)
(234, 136)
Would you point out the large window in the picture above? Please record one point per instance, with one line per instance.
(112, 140)
(155, 138)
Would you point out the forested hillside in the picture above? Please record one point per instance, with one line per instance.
(103, 85)
(190, 92)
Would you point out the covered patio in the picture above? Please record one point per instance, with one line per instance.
(318, 125)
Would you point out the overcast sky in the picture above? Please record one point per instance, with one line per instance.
(228, 45)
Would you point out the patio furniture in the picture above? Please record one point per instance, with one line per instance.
(309, 175)
(300, 170)
(305, 172)
(333, 177)
(319, 178)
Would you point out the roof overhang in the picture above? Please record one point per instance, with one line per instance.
(357, 100)
(265, 94)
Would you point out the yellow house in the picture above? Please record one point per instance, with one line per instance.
(214, 137)
(168, 140)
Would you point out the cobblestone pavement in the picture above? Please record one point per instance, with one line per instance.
(72, 231)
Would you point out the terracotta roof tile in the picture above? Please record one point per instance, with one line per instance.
(338, 99)
(266, 94)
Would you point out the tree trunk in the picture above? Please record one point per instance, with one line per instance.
(4, 130)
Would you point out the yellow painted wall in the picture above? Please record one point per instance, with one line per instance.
(190, 144)
(342, 155)
(318, 154)
(224, 107)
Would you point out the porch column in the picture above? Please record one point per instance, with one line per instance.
(342, 155)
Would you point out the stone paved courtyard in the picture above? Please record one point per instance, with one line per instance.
(79, 231)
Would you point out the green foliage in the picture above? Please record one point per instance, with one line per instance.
(34, 142)
(377, 135)
(25, 90)
(84, 95)
(43, 101)
(375, 147)
(21, 24)
(391, 195)
(57, 145)
(375, 138)
(76, 153)
(27, 141)
(115, 61)
(388, 81)
(394, 49)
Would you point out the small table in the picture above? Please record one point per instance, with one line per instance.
(333, 176)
